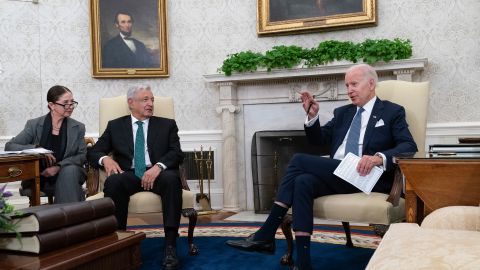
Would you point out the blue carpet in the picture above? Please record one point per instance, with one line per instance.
(215, 254)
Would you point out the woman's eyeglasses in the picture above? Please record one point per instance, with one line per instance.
(72, 105)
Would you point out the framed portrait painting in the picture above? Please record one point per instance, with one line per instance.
(129, 38)
(299, 16)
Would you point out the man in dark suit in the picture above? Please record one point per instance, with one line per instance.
(145, 155)
(123, 51)
(378, 134)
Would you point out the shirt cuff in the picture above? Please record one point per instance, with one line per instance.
(309, 123)
(100, 160)
(162, 165)
(384, 160)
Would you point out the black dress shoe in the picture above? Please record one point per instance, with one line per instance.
(170, 261)
(249, 244)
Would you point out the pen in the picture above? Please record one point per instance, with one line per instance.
(309, 107)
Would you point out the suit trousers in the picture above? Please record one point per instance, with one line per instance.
(308, 177)
(119, 187)
(68, 187)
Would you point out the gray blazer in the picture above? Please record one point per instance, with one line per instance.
(29, 137)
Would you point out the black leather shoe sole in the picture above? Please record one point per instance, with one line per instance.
(248, 244)
(171, 262)
(171, 266)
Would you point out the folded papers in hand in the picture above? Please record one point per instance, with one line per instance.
(347, 170)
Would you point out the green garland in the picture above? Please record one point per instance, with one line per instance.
(370, 51)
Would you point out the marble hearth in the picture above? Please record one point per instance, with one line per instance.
(262, 101)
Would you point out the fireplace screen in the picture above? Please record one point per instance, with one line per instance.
(271, 151)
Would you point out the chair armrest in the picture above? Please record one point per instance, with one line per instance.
(89, 141)
(397, 188)
(92, 173)
(92, 180)
(183, 177)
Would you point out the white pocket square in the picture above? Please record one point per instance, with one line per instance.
(380, 123)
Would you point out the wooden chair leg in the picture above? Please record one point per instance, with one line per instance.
(192, 222)
(287, 259)
(346, 228)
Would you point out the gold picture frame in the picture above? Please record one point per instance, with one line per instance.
(129, 38)
(299, 16)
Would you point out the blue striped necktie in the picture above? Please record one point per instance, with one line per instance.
(139, 154)
(354, 133)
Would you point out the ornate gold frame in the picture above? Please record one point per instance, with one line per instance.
(368, 17)
(98, 71)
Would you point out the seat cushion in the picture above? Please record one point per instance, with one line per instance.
(408, 246)
(454, 218)
(359, 207)
(149, 202)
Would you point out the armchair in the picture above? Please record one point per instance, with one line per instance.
(377, 209)
(142, 202)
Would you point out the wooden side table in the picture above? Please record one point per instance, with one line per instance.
(119, 251)
(22, 167)
(432, 183)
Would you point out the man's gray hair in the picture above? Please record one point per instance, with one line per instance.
(132, 91)
(368, 71)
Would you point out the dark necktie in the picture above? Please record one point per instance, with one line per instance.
(139, 155)
(354, 133)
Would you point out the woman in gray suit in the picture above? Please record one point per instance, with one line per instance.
(61, 171)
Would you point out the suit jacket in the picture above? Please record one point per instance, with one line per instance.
(29, 137)
(162, 141)
(392, 138)
(116, 54)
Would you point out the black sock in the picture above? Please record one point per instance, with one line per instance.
(303, 252)
(171, 236)
(269, 228)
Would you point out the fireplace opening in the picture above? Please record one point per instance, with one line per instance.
(271, 152)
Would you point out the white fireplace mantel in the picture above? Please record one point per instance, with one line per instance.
(279, 88)
(397, 67)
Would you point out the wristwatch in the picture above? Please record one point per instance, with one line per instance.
(159, 166)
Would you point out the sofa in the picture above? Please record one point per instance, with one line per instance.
(448, 238)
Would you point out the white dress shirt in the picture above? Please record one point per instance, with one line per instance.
(129, 43)
(340, 153)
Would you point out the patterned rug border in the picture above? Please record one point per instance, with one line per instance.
(321, 234)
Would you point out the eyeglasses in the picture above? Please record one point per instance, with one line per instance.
(72, 105)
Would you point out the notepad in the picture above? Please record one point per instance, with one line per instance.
(347, 170)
